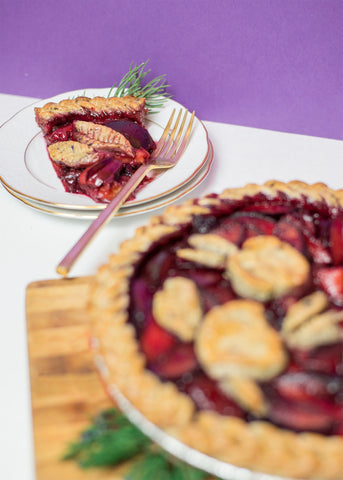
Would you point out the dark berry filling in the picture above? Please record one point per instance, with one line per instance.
(138, 136)
(87, 116)
(103, 180)
(308, 394)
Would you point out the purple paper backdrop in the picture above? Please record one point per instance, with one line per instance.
(274, 64)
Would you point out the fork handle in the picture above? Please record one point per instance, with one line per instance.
(67, 262)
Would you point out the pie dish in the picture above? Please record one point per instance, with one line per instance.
(221, 322)
(96, 144)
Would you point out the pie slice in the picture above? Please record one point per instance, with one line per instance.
(96, 144)
(222, 322)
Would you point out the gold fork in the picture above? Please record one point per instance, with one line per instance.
(168, 150)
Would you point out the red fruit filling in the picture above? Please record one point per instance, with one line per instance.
(102, 180)
(61, 134)
(308, 394)
(331, 281)
(286, 231)
(301, 416)
(156, 342)
(179, 360)
(207, 396)
(137, 135)
(336, 240)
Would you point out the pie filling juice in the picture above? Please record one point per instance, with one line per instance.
(103, 179)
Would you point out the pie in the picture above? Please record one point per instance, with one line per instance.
(96, 144)
(221, 321)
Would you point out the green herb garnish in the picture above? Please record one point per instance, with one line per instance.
(160, 466)
(131, 84)
(111, 440)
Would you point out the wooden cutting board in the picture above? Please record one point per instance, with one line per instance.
(65, 389)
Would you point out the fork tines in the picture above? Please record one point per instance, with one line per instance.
(169, 145)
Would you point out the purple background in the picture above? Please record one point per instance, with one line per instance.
(274, 64)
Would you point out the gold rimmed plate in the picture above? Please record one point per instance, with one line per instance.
(161, 202)
(27, 171)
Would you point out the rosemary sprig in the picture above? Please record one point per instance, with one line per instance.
(131, 84)
(111, 440)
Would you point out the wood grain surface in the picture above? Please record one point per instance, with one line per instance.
(65, 389)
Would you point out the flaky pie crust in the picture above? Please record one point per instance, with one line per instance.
(257, 445)
(126, 106)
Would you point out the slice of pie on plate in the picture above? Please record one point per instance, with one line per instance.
(96, 144)
(221, 321)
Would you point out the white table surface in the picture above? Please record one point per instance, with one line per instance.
(32, 243)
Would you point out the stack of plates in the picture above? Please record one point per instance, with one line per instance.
(27, 173)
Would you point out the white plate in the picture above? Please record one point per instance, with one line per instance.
(25, 167)
(160, 202)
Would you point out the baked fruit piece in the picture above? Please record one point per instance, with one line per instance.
(96, 144)
(221, 321)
